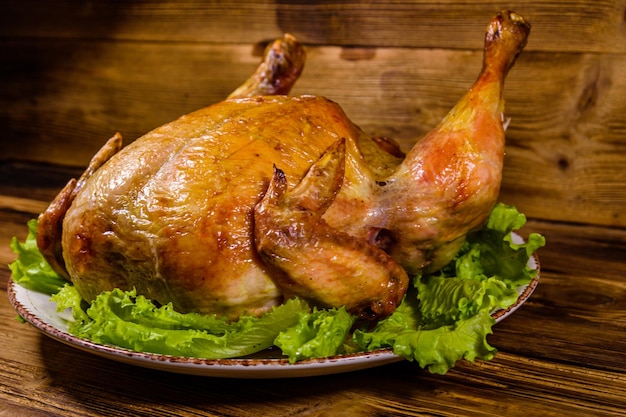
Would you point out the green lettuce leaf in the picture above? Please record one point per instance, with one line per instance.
(434, 347)
(319, 333)
(30, 269)
(69, 298)
(499, 255)
(448, 300)
(484, 275)
(125, 319)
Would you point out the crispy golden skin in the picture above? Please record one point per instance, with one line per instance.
(233, 207)
(319, 262)
(172, 213)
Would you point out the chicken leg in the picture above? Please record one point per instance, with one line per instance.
(450, 180)
(283, 61)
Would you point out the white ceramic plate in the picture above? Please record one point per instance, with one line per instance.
(37, 309)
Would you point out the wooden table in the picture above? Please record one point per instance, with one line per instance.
(562, 354)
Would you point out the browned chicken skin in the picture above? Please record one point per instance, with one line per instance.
(263, 196)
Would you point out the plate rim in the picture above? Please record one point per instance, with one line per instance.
(231, 367)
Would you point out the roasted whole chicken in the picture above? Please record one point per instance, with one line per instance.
(237, 206)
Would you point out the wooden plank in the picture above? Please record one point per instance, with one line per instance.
(40, 374)
(22, 204)
(80, 91)
(591, 26)
(565, 153)
(567, 140)
(64, 100)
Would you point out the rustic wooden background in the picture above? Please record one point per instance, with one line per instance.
(74, 72)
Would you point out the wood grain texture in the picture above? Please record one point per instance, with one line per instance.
(73, 73)
(590, 26)
(566, 148)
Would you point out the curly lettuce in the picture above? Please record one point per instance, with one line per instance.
(434, 347)
(30, 269)
(319, 333)
(128, 320)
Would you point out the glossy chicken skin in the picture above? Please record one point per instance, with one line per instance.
(234, 207)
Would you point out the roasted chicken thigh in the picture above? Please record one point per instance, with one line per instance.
(237, 206)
